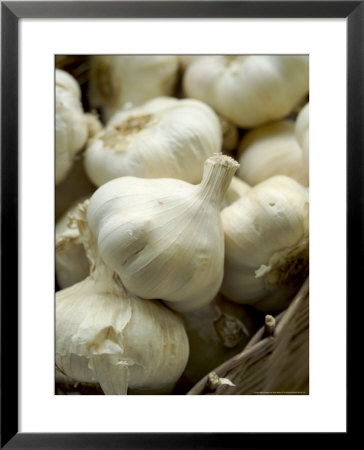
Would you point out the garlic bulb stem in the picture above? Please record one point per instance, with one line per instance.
(217, 175)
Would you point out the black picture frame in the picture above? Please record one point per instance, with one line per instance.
(11, 12)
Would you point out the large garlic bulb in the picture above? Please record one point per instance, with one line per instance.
(106, 335)
(249, 90)
(71, 123)
(216, 333)
(165, 137)
(302, 135)
(72, 264)
(271, 150)
(118, 79)
(266, 244)
(164, 237)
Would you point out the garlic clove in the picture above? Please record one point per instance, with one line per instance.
(105, 335)
(71, 126)
(118, 79)
(164, 237)
(270, 150)
(266, 244)
(249, 90)
(165, 137)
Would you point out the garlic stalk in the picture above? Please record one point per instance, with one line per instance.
(72, 264)
(302, 135)
(216, 333)
(71, 126)
(118, 79)
(165, 137)
(105, 335)
(266, 244)
(164, 237)
(249, 90)
(270, 150)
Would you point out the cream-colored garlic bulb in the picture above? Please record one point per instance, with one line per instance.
(71, 124)
(266, 244)
(105, 335)
(302, 134)
(164, 237)
(236, 190)
(118, 79)
(249, 90)
(165, 137)
(216, 333)
(72, 264)
(271, 150)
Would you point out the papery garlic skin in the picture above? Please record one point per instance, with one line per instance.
(266, 244)
(71, 126)
(106, 335)
(249, 90)
(216, 332)
(165, 137)
(302, 135)
(164, 237)
(271, 150)
(71, 262)
(118, 79)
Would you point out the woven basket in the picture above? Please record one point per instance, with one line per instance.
(275, 361)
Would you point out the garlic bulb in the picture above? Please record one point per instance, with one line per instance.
(266, 244)
(118, 79)
(216, 333)
(71, 126)
(72, 264)
(165, 137)
(164, 237)
(270, 150)
(236, 190)
(249, 90)
(106, 335)
(302, 135)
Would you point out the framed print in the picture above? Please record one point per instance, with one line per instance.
(295, 358)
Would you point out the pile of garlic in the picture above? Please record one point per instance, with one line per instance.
(182, 214)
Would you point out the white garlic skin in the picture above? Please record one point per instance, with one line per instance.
(71, 125)
(108, 336)
(271, 150)
(119, 341)
(266, 244)
(119, 79)
(302, 135)
(71, 262)
(164, 237)
(166, 137)
(216, 333)
(249, 90)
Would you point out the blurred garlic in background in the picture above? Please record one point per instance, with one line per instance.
(118, 79)
(71, 125)
(271, 150)
(249, 90)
